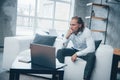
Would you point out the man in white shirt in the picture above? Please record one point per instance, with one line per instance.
(83, 45)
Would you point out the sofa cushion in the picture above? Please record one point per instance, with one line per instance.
(44, 39)
(97, 43)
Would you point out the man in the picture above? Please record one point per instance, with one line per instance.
(83, 45)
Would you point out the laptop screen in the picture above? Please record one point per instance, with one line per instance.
(43, 56)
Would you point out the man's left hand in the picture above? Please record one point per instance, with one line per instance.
(74, 57)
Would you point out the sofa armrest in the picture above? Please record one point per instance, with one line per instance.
(102, 69)
(74, 70)
(12, 47)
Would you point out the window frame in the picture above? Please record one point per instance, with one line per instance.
(35, 17)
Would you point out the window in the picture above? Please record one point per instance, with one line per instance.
(36, 15)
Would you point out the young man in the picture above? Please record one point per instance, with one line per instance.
(83, 45)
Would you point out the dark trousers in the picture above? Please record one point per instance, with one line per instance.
(90, 58)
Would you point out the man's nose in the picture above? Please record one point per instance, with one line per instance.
(71, 27)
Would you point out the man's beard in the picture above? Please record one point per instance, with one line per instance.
(76, 32)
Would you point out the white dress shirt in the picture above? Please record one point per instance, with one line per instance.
(83, 42)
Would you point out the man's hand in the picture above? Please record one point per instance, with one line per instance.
(74, 57)
(69, 33)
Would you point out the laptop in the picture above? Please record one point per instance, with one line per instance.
(44, 56)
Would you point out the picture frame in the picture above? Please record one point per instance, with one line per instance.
(113, 1)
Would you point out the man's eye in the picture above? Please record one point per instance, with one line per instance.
(72, 24)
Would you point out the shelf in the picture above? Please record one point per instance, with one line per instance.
(98, 31)
(96, 4)
(94, 17)
(99, 17)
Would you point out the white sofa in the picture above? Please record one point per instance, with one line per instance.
(102, 69)
(14, 45)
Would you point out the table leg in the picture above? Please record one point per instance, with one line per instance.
(17, 75)
(11, 75)
(114, 67)
(61, 75)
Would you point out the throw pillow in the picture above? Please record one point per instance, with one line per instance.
(44, 39)
(97, 43)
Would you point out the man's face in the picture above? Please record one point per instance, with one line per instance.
(74, 26)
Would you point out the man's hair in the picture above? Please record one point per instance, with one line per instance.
(79, 21)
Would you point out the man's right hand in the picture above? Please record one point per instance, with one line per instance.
(69, 33)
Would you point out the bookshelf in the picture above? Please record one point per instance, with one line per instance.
(92, 16)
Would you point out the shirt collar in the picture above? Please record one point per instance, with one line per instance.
(79, 33)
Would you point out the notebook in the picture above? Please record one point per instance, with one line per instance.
(44, 56)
